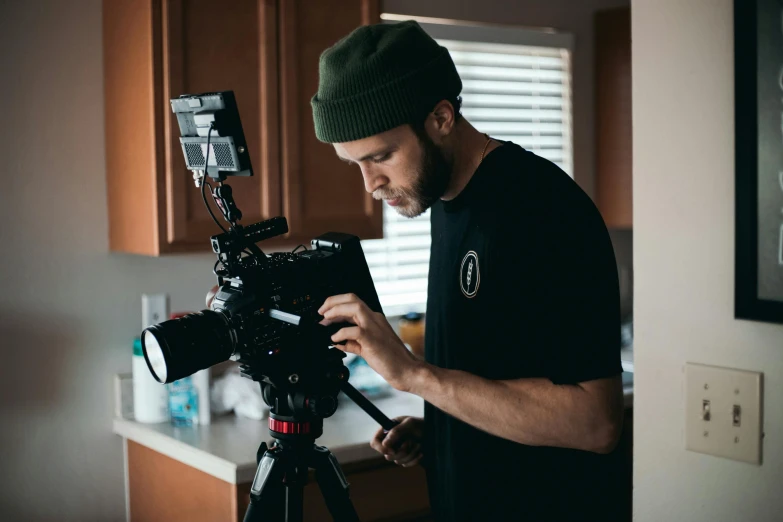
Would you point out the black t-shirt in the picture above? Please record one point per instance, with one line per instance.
(523, 283)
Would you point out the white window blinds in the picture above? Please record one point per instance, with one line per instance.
(516, 86)
(518, 93)
(400, 261)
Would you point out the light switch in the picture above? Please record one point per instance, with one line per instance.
(705, 410)
(723, 412)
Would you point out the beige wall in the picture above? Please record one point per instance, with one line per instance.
(683, 114)
(68, 309)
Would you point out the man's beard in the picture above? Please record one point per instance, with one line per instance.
(429, 182)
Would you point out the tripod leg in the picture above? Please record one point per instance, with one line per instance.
(267, 493)
(294, 500)
(334, 486)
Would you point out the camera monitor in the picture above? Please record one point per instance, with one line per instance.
(211, 131)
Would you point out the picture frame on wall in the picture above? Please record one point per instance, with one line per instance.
(758, 82)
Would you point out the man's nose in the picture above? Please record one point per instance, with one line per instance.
(372, 180)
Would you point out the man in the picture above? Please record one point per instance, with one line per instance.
(521, 379)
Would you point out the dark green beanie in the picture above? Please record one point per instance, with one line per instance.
(379, 77)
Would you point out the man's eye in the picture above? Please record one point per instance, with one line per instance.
(382, 158)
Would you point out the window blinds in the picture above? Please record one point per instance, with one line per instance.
(513, 92)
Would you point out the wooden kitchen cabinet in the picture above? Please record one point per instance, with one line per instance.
(613, 109)
(320, 192)
(163, 489)
(267, 52)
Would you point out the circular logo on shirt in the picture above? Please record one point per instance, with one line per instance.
(469, 277)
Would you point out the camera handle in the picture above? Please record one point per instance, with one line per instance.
(369, 408)
(355, 395)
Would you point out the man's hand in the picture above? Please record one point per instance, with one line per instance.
(372, 338)
(211, 296)
(403, 442)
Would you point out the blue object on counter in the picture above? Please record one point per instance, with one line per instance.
(365, 379)
(183, 402)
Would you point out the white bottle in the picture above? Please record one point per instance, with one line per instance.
(150, 398)
(201, 382)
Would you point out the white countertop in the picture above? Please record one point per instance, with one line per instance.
(227, 448)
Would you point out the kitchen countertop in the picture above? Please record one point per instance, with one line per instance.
(227, 448)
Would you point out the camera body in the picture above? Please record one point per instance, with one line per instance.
(265, 312)
(272, 349)
(265, 315)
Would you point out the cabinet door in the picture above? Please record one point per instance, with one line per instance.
(210, 46)
(320, 192)
(614, 144)
(132, 126)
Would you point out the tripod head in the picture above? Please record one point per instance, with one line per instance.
(299, 402)
(295, 422)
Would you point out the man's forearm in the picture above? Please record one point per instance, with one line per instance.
(535, 412)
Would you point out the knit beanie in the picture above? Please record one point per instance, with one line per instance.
(379, 77)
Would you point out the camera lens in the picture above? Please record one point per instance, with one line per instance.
(180, 347)
(153, 354)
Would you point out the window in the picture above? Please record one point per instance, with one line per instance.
(516, 86)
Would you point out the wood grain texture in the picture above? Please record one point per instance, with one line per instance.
(164, 489)
(385, 493)
(129, 38)
(320, 193)
(614, 133)
(209, 49)
(159, 49)
(269, 98)
(380, 492)
(176, 219)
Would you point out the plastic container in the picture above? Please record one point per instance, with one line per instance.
(183, 402)
(150, 398)
(412, 332)
(198, 383)
(364, 378)
(201, 382)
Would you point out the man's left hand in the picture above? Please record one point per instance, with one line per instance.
(372, 338)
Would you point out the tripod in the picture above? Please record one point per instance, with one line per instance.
(298, 401)
(277, 490)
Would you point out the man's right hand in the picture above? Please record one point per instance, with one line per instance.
(403, 442)
(211, 296)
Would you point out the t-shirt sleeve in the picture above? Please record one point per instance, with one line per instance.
(570, 283)
(584, 293)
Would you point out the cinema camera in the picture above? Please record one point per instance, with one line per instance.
(264, 315)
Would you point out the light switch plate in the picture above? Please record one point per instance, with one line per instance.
(723, 412)
(123, 395)
(154, 309)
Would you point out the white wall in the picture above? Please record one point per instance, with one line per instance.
(683, 113)
(68, 309)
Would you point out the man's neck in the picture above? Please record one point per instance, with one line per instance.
(466, 155)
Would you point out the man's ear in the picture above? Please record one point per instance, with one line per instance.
(441, 120)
